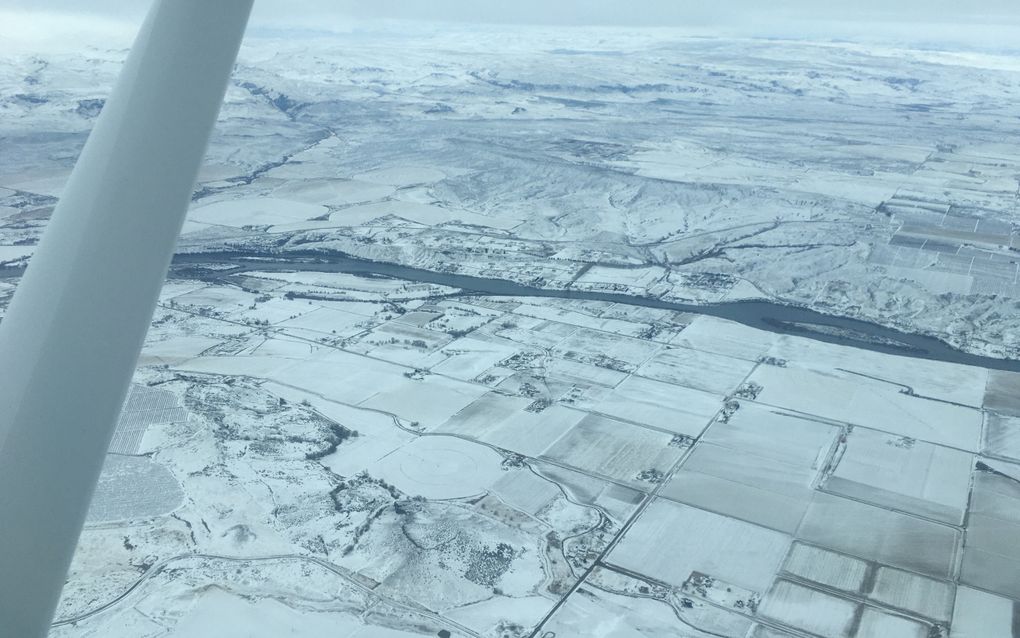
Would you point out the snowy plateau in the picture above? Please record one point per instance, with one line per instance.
(335, 429)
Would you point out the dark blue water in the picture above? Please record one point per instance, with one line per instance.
(763, 315)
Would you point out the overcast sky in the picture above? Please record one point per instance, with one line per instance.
(980, 23)
(613, 12)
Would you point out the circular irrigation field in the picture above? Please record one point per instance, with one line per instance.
(440, 467)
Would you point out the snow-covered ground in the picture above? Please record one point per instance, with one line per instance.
(375, 457)
(871, 182)
(489, 475)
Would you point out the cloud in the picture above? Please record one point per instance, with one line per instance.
(55, 31)
(674, 13)
(987, 24)
(983, 24)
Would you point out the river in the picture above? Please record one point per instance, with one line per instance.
(763, 315)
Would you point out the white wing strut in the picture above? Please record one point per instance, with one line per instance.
(70, 341)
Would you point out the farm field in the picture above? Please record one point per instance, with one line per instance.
(876, 624)
(924, 596)
(133, 488)
(979, 613)
(697, 369)
(725, 549)
(913, 476)
(1002, 437)
(843, 525)
(506, 422)
(889, 410)
(717, 336)
(619, 451)
(662, 406)
(760, 466)
(519, 437)
(935, 379)
(255, 212)
(827, 568)
(809, 610)
(600, 613)
(990, 556)
(518, 431)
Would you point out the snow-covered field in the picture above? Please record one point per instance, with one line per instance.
(317, 452)
(524, 474)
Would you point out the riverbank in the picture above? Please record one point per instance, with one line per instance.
(762, 315)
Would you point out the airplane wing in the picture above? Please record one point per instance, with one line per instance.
(75, 326)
